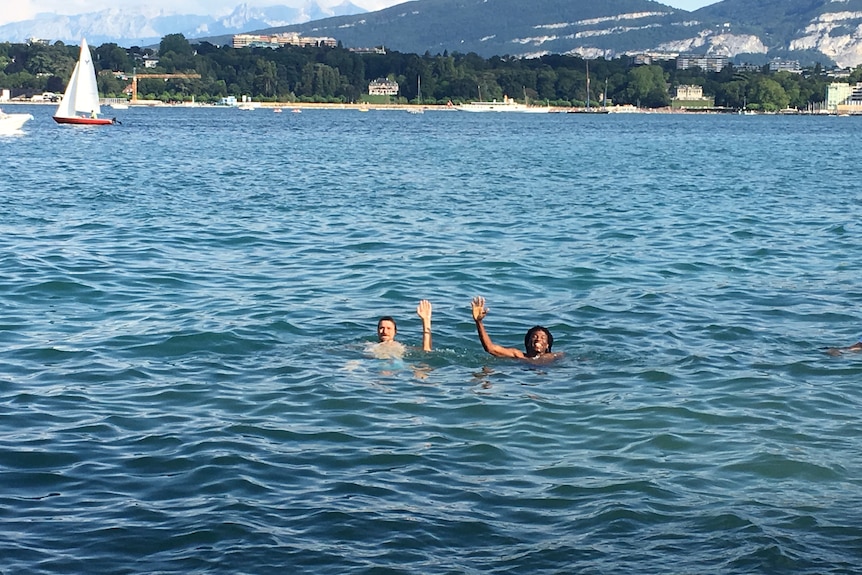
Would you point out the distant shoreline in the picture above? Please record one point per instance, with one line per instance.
(424, 107)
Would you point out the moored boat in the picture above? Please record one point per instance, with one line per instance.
(507, 105)
(11, 123)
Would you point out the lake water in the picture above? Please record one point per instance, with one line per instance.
(187, 299)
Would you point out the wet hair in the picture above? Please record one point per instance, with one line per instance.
(533, 330)
(387, 318)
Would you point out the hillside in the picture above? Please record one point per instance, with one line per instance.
(798, 28)
(505, 27)
(824, 31)
(811, 31)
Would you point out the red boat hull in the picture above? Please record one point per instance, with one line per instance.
(83, 121)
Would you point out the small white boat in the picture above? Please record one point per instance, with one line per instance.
(80, 103)
(12, 123)
(119, 106)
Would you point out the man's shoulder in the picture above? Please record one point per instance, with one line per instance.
(545, 357)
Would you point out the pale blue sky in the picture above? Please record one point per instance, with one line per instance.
(16, 10)
(689, 4)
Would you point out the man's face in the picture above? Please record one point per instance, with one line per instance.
(385, 331)
(539, 341)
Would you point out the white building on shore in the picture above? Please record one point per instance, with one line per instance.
(843, 98)
(383, 87)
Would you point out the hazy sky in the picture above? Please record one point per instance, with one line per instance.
(15, 10)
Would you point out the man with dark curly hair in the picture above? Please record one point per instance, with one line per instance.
(537, 342)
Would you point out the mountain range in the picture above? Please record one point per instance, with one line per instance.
(811, 31)
(142, 26)
(825, 31)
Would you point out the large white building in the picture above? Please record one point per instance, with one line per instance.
(780, 65)
(383, 87)
(702, 61)
(689, 92)
(843, 98)
(279, 40)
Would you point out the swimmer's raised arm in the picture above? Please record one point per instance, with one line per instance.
(423, 310)
(479, 312)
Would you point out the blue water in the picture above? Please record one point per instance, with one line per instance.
(187, 299)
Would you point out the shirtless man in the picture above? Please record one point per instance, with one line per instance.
(537, 342)
(386, 328)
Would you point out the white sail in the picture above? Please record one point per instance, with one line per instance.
(82, 93)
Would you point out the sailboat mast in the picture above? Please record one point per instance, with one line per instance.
(588, 84)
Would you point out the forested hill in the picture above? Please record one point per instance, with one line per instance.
(811, 31)
(502, 27)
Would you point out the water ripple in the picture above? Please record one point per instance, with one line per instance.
(184, 385)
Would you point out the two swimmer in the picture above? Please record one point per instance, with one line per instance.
(537, 342)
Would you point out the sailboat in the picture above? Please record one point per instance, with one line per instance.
(80, 103)
(588, 110)
(417, 109)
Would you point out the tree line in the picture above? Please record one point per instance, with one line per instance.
(316, 74)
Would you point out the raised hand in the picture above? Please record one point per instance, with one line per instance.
(423, 310)
(479, 309)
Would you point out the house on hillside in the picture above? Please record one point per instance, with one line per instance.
(688, 92)
(383, 87)
(691, 96)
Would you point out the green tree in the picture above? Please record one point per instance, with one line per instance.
(568, 83)
(546, 84)
(266, 78)
(177, 44)
(791, 84)
(769, 95)
(110, 86)
(113, 57)
(647, 87)
(733, 94)
(176, 54)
